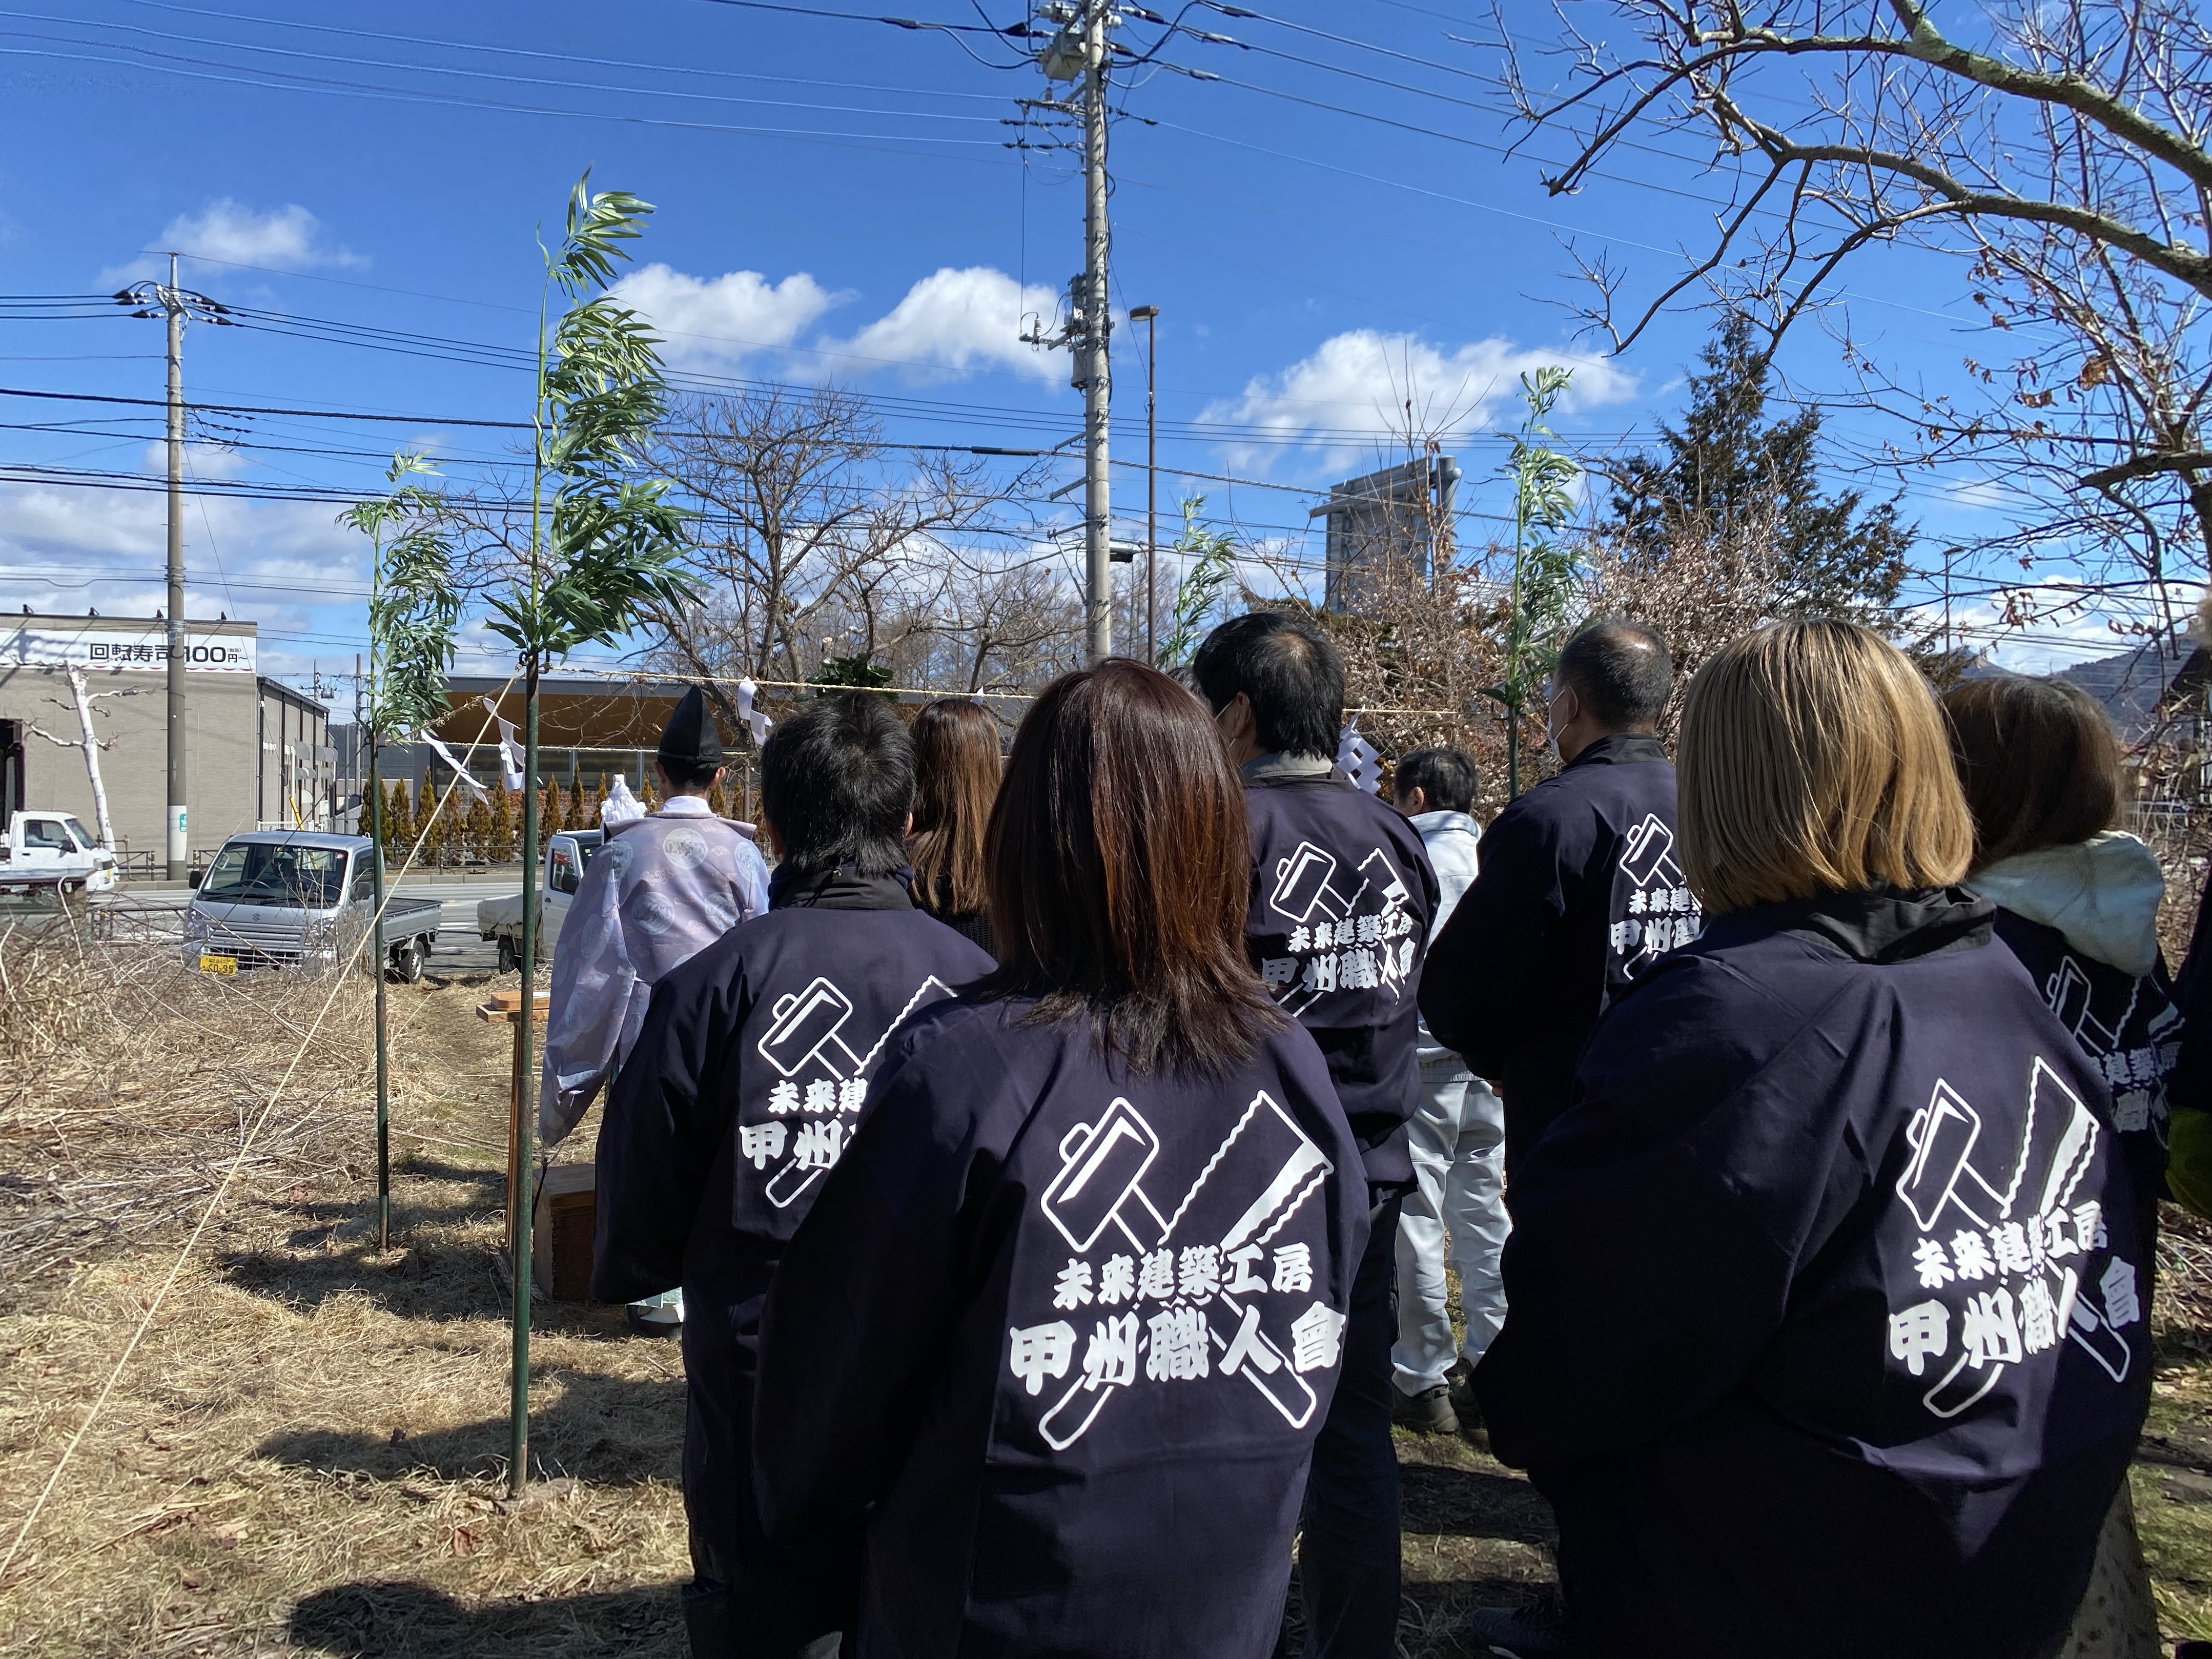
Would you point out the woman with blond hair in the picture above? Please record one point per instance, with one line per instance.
(956, 759)
(1827, 1329)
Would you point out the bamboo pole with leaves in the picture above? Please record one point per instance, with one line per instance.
(603, 545)
(412, 613)
(1543, 572)
(1213, 554)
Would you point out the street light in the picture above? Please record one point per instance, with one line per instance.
(1149, 316)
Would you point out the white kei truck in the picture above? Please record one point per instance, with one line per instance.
(567, 854)
(53, 849)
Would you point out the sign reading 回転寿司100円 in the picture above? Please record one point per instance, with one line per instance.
(143, 648)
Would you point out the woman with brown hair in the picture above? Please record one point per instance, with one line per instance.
(1050, 1355)
(2077, 902)
(955, 757)
(1825, 1329)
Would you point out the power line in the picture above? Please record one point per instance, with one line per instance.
(879, 141)
(481, 74)
(563, 56)
(1340, 39)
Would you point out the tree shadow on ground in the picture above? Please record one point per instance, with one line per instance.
(424, 1281)
(1473, 1504)
(1432, 1620)
(1431, 1617)
(431, 1273)
(610, 1431)
(408, 1620)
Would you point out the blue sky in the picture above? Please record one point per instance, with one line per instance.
(836, 200)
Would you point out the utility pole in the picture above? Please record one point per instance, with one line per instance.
(1098, 316)
(1149, 317)
(179, 856)
(1078, 52)
(173, 302)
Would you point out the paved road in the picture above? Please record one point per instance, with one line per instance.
(158, 916)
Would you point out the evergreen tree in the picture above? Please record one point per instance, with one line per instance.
(1837, 559)
(500, 849)
(398, 821)
(717, 802)
(479, 830)
(551, 819)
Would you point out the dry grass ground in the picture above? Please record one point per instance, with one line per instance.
(307, 1452)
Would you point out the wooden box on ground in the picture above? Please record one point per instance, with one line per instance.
(561, 1233)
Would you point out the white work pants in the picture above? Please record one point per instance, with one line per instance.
(1458, 1136)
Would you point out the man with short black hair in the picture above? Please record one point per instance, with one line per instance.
(1342, 897)
(1579, 892)
(750, 1078)
(1457, 1138)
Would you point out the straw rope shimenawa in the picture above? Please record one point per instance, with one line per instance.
(639, 677)
(215, 1203)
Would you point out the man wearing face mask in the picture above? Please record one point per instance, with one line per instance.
(1580, 892)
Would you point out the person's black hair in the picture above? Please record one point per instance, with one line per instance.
(1621, 671)
(837, 782)
(688, 778)
(1445, 777)
(1289, 670)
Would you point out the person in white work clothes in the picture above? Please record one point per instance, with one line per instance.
(1458, 1143)
(661, 889)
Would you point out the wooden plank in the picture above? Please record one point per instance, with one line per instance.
(561, 1233)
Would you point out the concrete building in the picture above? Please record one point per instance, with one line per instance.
(1387, 518)
(256, 753)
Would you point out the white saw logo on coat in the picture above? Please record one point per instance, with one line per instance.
(1662, 912)
(823, 1083)
(1335, 944)
(1205, 1249)
(2006, 1238)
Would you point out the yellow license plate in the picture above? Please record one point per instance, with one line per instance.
(217, 964)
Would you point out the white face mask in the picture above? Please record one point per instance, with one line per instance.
(1551, 731)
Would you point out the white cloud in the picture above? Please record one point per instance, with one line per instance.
(201, 460)
(2040, 628)
(282, 564)
(1352, 390)
(288, 239)
(953, 323)
(1983, 495)
(722, 319)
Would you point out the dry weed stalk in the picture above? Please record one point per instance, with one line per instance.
(130, 1084)
(1710, 580)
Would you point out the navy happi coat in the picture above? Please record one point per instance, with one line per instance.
(2127, 1024)
(1051, 1351)
(1828, 1329)
(745, 1088)
(1342, 895)
(1579, 894)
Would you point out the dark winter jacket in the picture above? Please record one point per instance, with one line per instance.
(1827, 1315)
(1056, 1342)
(2083, 920)
(1342, 894)
(751, 1073)
(1578, 895)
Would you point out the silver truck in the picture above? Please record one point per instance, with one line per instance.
(277, 898)
(567, 854)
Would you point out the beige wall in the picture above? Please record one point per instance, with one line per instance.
(291, 775)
